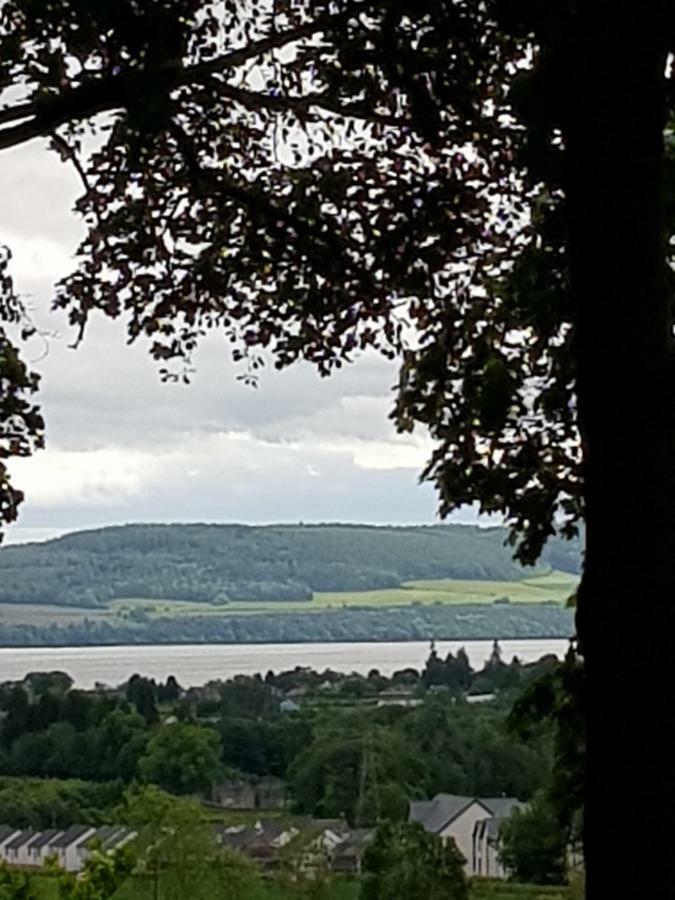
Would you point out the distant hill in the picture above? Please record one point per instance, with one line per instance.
(217, 563)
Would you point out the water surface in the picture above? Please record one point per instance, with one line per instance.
(195, 664)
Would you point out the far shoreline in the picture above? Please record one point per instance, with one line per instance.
(298, 641)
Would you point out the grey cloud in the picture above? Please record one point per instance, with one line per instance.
(213, 450)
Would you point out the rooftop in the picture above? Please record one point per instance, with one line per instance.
(437, 813)
(73, 835)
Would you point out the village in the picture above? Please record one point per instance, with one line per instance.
(471, 822)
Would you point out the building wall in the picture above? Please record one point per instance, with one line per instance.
(3, 844)
(24, 856)
(461, 829)
(69, 857)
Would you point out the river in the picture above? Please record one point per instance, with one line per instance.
(195, 664)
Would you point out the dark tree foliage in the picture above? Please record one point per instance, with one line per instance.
(449, 181)
(142, 693)
(21, 425)
(534, 845)
(405, 862)
(315, 179)
(553, 701)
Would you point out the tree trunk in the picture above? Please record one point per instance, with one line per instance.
(623, 335)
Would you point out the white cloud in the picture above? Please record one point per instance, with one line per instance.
(102, 477)
(38, 256)
(391, 455)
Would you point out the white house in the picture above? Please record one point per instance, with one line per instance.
(6, 835)
(64, 846)
(106, 839)
(38, 849)
(454, 816)
(16, 849)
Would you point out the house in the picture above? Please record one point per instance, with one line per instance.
(70, 847)
(6, 834)
(39, 848)
(347, 857)
(454, 816)
(15, 851)
(310, 842)
(106, 839)
(120, 838)
(260, 842)
(263, 793)
(486, 861)
(234, 795)
(64, 846)
(329, 833)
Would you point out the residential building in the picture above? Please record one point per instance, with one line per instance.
(39, 849)
(452, 816)
(347, 856)
(70, 847)
(263, 793)
(16, 849)
(106, 839)
(64, 846)
(6, 834)
(486, 861)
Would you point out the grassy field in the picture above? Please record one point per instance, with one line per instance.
(33, 614)
(486, 889)
(46, 889)
(553, 587)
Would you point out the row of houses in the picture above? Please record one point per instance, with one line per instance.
(307, 842)
(69, 847)
(311, 843)
(473, 823)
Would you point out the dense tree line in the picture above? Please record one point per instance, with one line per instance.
(222, 563)
(341, 754)
(398, 623)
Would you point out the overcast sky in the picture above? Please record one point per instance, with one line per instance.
(123, 446)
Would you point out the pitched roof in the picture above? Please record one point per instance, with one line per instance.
(118, 838)
(502, 807)
(101, 834)
(435, 814)
(491, 828)
(42, 838)
(6, 831)
(355, 842)
(21, 838)
(73, 835)
(263, 833)
(234, 839)
(438, 813)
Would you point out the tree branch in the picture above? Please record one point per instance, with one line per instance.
(302, 105)
(84, 101)
(20, 111)
(112, 92)
(237, 57)
(214, 181)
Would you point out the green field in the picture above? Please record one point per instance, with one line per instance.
(481, 889)
(485, 889)
(34, 614)
(553, 587)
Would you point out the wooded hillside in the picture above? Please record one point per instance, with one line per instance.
(222, 563)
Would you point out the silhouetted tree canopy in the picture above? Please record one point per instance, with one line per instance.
(481, 189)
(316, 179)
